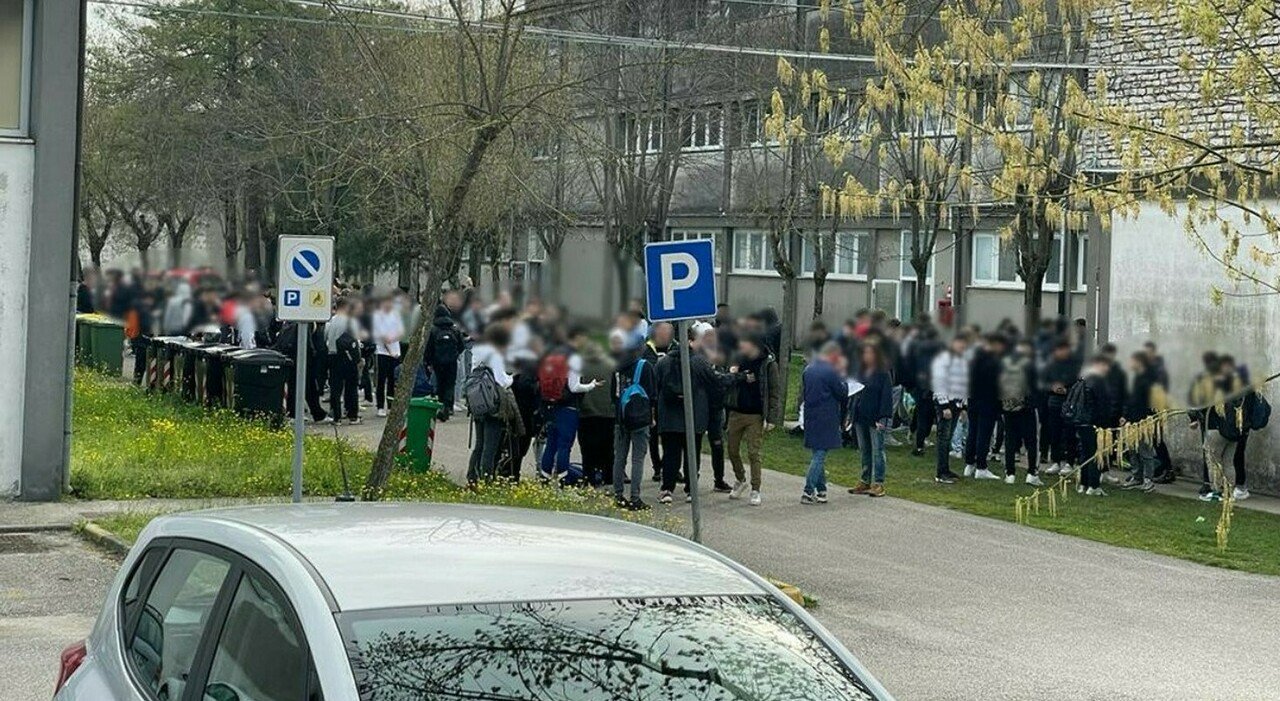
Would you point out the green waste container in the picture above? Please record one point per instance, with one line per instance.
(420, 432)
(84, 339)
(106, 344)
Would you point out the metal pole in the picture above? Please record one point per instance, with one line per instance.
(299, 393)
(691, 457)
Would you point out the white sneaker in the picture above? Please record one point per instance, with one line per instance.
(984, 475)
(1053, 469)
(326, 420)
(382, 413)
(1240, 493)
(969, 470)
(739, 488)
(1034, 481)
(1010, 479)
(1066, 469)
(1110, 477)
(755, 498)
(1095, 492)
(1079, 489)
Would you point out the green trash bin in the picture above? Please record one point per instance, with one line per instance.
(419, 436)
(107, 345)
(84, 339)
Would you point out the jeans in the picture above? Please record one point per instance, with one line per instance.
(1019, 431)
(815, 482)
(960, 432)
(484, 452)
(561, 431)
(1218, 451)
(1144, 461)
(1055, 434)
(344, 389)
(946, 429)
(715, 437)
(748, 428)
(446, 376)
(871, 443)
(635, 443)
(977, 446)
(673, 459)
(1090, 474)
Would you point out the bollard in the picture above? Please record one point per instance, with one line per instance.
(419, 434)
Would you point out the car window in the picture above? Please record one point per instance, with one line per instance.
(732, 648)
(142, 573)
(260, 654)
(172, 620)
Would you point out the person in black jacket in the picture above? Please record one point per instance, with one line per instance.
(1018, 413)
(1138, 406)
(671, 417)
(446, 341)
(984, 406)
(1096, 409)
(287, 344)
(872, 413)
(1057, 437)
(656, 348)
(924, 347)
(634, 421)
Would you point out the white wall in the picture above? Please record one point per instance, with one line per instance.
(1160, 290)
(16, 167)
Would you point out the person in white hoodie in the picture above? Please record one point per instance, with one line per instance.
(949, 377)
(388, 329)
(488, 430)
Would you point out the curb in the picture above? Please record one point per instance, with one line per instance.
(103, 538)
(790, 591)
(36, 528)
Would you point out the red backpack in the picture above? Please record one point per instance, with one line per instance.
(553, 377)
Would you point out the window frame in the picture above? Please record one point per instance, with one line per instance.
(534, 244)
(860, 237)
(1016, 283)
(1082, 262)
(906, 273)
(697, 234)
(765, 253)
(239, 566)
(25, 58)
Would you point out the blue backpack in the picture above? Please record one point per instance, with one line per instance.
(634, 409)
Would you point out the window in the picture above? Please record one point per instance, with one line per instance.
(752, 252)
(700, 128)
(15, 65)
(698, 235)
(1084, 274)
(905, 270)
(165, 631)
(537, 252)
(676, 649)
(852, 255)
(644, 133)
(261, 655)
(752, 123)
(995, 261)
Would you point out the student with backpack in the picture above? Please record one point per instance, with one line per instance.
(560, 383)
(983, 406)
(446, 343)
(1235, 411)
(342, 337)
(1088, 407)
(1143, 400)
(596, 413)
(1056, 435)
(754, 400)
(656, 346)
(1017, 378)
(483, 389)
(671, 417)
(949, 382)
(634, 387)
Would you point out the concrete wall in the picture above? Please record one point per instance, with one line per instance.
(17, 161)
(1170, 304)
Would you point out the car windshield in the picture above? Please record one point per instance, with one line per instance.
(746, 648)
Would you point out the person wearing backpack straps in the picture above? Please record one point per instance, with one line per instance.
(488, 375)
(446, 342)
(561, 385)
(1018, 412)
(655, 348)
(1088, 407)
(671, 416)
(755, 406)
(634, 387)
(1229, 427)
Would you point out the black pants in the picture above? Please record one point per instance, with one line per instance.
(946, 427)
(366, 383)
(977, 445)
(925, 416)
(386, 379)
(998, 442)
(595, 439)
(1020, 431)
(446, 377)
(1056, 435)
(715, 437)
(311, 393)
(344, 389)
(1237, 460)
(673, 459)
(655, 453)
(1090, 475)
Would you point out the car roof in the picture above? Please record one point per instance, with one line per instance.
(389, 555)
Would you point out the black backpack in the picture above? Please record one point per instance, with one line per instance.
(348, 347)
(446, 345)
(1259, 414)
(1076, 408)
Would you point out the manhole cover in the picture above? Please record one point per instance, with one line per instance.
(21, 543)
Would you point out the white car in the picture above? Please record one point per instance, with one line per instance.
(444, 602)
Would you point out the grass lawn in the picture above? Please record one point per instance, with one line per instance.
(1162, 524)
(127, 444)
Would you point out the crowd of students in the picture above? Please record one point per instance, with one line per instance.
(986, 401)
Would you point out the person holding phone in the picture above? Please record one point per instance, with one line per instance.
(872, 412)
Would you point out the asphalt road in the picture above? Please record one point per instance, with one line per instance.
(51, 588)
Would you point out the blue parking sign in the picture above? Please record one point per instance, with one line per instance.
(292, 298)
(680, 281)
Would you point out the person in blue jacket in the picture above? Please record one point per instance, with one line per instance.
(823, 391)
(872, 412)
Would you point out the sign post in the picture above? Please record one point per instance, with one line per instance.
(679, 286)
(304, 279)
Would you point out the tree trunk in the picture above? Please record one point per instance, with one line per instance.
(230, 232)
(253, 234)
(144, 255)
(622, 262)
(819, 292)
(553, 262)
(95, 254)
(404, 273)
(787, 341)
(1032, 300)
(920, 305)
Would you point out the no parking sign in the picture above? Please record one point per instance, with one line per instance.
(304, 277)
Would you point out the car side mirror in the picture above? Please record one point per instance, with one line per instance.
(220, 692)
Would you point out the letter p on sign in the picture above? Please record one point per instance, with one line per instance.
(680, 279)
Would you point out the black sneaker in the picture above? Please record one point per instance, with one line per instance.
(637, 505)
(621, 502)
(945, 478)
(1131, 482)
(917, 452)
(723, 488)
(657, 477)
